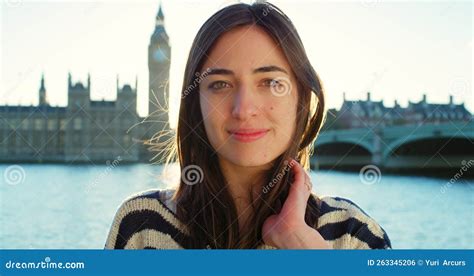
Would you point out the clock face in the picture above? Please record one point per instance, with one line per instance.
(160, 55)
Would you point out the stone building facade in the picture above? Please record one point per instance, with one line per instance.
(86, 130)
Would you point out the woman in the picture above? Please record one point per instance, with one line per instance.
(251, 108)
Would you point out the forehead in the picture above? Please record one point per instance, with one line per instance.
(246, 47)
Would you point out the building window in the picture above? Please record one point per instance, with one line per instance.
(126, 140)
(51, 124)
(15, 123)
(25, 124)
(76, 138)
(61, 141)
(38, 124)
(62, 124)
(11, 143)
(77, 124)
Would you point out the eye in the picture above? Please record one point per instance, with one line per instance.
(217, 85)
(272, 82)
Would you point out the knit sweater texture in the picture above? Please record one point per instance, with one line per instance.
(147, 221)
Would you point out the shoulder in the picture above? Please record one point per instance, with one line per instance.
(347, 226)
(143, 219)
(150, 201)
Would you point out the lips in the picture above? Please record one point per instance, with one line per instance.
(248, 135)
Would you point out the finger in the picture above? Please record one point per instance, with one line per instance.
(299, 193)
(309, 184)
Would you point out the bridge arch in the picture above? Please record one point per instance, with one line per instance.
(355, 141)
(362, 146)
(392, 147)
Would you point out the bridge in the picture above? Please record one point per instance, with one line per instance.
(431, 146)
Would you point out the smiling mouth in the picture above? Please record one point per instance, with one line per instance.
(247, 136)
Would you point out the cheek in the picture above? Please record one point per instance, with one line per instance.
(283, 115)
(283, 110)
(212, 120)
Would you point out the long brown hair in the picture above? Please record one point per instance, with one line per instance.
(200, 206)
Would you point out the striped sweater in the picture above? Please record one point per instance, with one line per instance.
(147, 221)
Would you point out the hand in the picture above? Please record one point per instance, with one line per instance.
(288, 229)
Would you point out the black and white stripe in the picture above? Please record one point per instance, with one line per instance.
(148, 221)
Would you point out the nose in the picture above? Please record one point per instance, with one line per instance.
(244, 103)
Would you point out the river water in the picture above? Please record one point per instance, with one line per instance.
(72, 206)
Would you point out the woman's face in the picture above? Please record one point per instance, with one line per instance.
(248, 98)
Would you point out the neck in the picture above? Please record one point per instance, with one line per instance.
(240, 181)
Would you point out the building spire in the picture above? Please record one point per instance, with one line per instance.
(69, 80)
(42, 92)
(159, 34)
(118, 85)
(160, 17)
(42, 87)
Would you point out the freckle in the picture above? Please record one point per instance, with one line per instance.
(271, 107)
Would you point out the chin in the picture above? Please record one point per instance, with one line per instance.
(254, 159)
(250, 163)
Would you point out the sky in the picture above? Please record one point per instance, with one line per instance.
(396, 50)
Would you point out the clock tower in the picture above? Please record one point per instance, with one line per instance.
(159, 56)
(156, 127)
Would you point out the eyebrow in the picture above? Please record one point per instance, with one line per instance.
(271, 68)
(264, 69)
